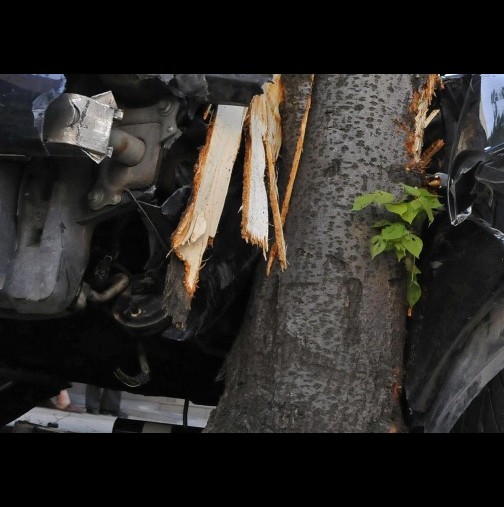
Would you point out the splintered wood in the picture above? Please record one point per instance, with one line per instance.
(263, 131)
(275, 207)
(199, 224)
(419, 108)
(292, 178)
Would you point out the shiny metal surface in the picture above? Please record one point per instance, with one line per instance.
(143, 134)
(84, 122)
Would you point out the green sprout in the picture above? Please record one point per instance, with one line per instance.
(416, 205)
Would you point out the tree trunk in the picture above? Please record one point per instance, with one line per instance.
(322, 343)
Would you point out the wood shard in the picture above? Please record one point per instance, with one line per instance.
(429, 154)
(254, 224)
(213, 170)
(275, 207)
(419, 107)
(263, 125)
(176, 300)
(293, 173)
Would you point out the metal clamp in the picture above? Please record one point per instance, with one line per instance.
(74, 120)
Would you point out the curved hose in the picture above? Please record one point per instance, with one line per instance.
(120, 282)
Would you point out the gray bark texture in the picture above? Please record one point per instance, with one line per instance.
(321, 347)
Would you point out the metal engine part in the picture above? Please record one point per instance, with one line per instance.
(44, 249)
(74, 120)
(144, 132)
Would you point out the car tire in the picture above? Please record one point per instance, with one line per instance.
(485, 414)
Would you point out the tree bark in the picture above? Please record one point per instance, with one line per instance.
(321, 346)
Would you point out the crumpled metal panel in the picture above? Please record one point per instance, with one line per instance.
(476, 168)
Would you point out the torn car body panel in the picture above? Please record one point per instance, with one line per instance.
(477, 168)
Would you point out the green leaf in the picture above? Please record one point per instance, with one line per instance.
(413, 292)
(381, 223)
(378, 197)
(410, 214)
(427, 207)
(382, 197)
(427, 193)
(413, 244)
(400, 251)
(419, 219)
(362, 202)
(411, 267)
(378, 245)
(416, 204)
(433, 203)
(394, 231)
(433, 200)
(397, 207)
(409, 263)
(411, 190)
(423, 192)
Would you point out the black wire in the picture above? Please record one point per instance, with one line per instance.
(149, 221)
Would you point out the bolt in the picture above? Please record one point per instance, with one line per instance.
(134, 310)
(118, 114)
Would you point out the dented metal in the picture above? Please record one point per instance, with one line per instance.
(476, 169)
